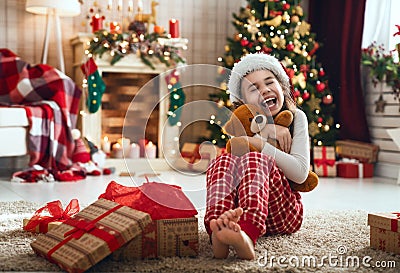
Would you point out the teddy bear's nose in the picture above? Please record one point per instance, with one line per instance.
(259, 119)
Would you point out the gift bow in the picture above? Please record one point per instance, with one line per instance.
(324, 162)
(56, 212)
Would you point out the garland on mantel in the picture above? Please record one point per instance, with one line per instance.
(146, 46)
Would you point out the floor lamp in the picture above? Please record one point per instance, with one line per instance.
(54, 9)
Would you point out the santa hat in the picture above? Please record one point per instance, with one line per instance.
(80, 154)
(254, 62)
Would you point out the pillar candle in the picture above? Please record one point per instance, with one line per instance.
(117, 151)
(150, 150)
(97, 23)
(142, 145)
(174, 28)
(106, 145)
(135, 151)
(125, 144)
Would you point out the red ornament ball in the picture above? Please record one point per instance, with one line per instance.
(305, 96)
(319, 120)
(328, 99)
(290, 47)
(320, 86)
(286, 6)
(296, 93)
(244, 42)
(321, 72)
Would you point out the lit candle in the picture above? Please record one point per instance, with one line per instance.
(151, 150)
(97, 23)
(109, 6)
(130, 6)
(125, 143)
(158, 29)
(117, 151)
(135, 151)
(115, 27)
(119, 4)
(174, 28)
(106, 145)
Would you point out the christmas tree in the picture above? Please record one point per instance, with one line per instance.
(280, 29)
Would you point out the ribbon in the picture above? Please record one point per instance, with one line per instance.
(56, 212)
(324, 161)
(355, 161)
(82, 226)
(394, 222)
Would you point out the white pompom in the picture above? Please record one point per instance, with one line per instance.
(76, 134)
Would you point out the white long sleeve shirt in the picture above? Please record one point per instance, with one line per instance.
(296, 164)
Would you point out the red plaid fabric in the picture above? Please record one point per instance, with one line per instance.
(51, 100)
(256, 184)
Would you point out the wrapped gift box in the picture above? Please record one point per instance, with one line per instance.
(362, 151)
(324, 161)
(91, 235)
(385, 231)
(165, 237)
(354, 169)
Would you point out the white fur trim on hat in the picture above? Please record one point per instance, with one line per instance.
(250, 63)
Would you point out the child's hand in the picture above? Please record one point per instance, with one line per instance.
(284, 138)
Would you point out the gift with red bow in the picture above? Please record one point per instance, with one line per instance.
(324, 161)
(352, 168)
(50, 216)
(174, 229)
(91, 235)
(385, 231)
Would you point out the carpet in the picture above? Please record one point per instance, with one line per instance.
(325, 242)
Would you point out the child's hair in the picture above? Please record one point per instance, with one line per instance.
(260, 61)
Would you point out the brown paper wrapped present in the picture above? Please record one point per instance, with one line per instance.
(385, 231)
(91, 235)
(50, 225)
(362, 151)
(324, 161)
(168, 237)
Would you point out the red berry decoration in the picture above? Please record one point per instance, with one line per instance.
(328, 99)
(321, 72)
(305, 96)
(296, 93)
(320, 86)
(319, 120)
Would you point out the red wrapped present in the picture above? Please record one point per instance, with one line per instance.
(385, 231)
(196, 157)
(50, 216)
(91, 235)
(351, 168)
(324, 161)
(174, 230)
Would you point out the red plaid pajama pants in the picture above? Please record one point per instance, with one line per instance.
(256, 184)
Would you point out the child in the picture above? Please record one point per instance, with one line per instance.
(250, 196)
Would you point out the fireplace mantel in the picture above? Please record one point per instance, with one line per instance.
(91, 124)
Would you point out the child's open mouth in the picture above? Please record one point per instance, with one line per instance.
(269, 102)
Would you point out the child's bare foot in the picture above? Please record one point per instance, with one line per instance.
(227, 232)
(230, 217)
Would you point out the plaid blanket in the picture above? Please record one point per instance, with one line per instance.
(51, 100)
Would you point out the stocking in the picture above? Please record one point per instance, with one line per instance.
(96, 86)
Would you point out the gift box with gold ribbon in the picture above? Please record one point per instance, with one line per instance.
(385, 231)
(50, 216)
(324, 161)
(88, 237)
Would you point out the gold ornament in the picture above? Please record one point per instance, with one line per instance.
(314, 103)
(227, 48)
(299, 79)
(286, 16)
(303, 28)
(313, 129)
(229, 60)
(252, 26)
(288, 61)
(295, 19)
(278, 42)
(276, 22)
(298, 10)
(314, 73)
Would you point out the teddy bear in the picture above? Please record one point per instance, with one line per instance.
(247, 120)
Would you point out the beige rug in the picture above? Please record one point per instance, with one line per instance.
(324, 233)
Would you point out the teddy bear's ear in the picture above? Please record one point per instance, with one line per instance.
(234, 127)
(284, 118)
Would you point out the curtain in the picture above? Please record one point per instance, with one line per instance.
(338, 25)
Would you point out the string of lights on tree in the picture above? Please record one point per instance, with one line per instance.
(279, 28)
